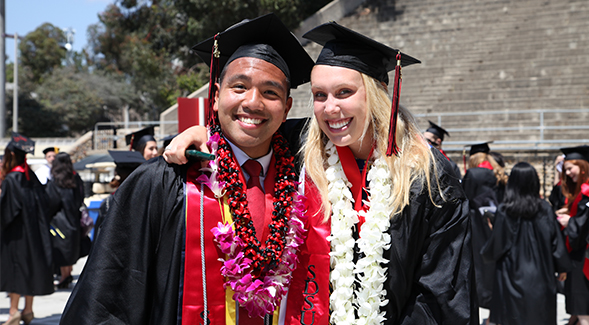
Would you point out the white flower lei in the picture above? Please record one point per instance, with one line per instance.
(374, 239)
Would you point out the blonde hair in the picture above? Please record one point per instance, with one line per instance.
(478, 158)
(413, 165)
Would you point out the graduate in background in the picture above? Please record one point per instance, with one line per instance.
(484, 189)
(172, 248)
(143, 142)
(65, 191)
(435, 136)
(528, 249)
(574, 216)
(44, 172)
(25, 247)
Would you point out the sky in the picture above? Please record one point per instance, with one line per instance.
(24, 16)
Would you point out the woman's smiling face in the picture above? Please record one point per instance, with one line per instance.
(339, 104)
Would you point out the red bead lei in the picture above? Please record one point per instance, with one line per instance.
(263, 258)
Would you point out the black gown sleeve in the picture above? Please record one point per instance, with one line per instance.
(441, 289)
(10, 205)
(578, 226)
(502, 237)
(53, 198)
(132, 275)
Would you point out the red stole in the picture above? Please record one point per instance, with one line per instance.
(308, 296)
(573, 213)
(193, 295)
(24, 168)
(445, 155)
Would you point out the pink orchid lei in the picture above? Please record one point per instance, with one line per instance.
(259, 296)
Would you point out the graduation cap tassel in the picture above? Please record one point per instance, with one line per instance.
(392, 147)
(464, 158)
(214, 74)
(131, 142)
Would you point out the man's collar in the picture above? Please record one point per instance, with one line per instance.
(242, 157)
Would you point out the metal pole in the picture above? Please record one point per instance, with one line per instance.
(15, 90)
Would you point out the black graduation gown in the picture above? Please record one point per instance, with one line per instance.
(64, 207)
(480, 187)
(430, 244)
(26, 262)
(132, 275)
(576, 286)
(527, 254)
(556, 198)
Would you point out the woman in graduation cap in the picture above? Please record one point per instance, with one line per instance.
(65, 190)
(575, 218)
(389, 240)
(143, 142)
(391, 236)
(26, 260)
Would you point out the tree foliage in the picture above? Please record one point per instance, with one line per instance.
(42, 50)
(81, 98)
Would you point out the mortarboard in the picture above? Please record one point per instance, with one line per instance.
(168, 139)
(437, 130)
(49, 149)
(479, 147)
(346, 48)
(265, 38)
(140, 137)
(126, 158)
(21, 143)
(576, 153)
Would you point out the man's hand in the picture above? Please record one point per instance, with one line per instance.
(175, 152)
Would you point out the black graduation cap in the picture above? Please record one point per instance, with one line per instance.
(346, 48)
(576, 153)
(265, 38)
(140, 137)
(479, 147)
(437, 130)
(49, 149)
(21, 143)
(127, 158)
(168, 139)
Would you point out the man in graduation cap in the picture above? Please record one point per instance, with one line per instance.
(435, 136)
(143, 142)
(26, 263)
(183, 246)
(44, 172)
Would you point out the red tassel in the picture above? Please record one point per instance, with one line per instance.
(214, 75)
(392, 147)
(131, 142)
(464, 159)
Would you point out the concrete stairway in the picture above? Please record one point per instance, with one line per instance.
(485, 56)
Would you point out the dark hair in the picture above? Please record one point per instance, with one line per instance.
(9, 161)
(62, 171)
(522, 193)
(498, 158)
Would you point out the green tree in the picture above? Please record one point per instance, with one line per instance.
(41, 51)
(81, 98)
